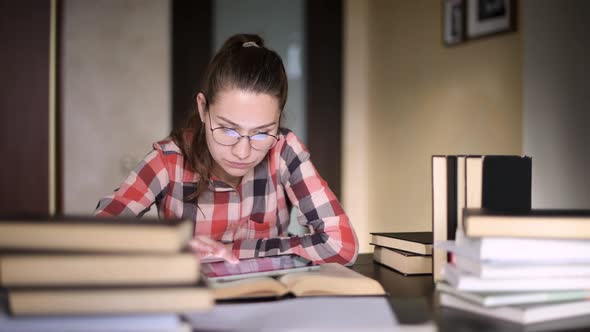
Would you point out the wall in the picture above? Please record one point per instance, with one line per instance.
(116, 92)
(556, 101)
(420, 99)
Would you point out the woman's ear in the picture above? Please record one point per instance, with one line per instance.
(201, 105)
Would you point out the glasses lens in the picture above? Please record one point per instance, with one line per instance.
(226, 136)
(262, 141)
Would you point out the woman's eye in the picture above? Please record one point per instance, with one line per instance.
(230, 132)
(259, 136)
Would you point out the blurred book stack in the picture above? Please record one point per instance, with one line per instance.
(75, 271)
(499, 183)
(409, 253)
(528, 267)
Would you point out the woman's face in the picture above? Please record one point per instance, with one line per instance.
(247, 113)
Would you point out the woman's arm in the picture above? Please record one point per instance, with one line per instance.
(332, 238)
(146, 183)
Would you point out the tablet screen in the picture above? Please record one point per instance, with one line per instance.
(255, 267)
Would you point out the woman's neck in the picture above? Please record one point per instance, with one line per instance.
(233, 181)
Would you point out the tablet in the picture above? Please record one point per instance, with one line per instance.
(256, 267)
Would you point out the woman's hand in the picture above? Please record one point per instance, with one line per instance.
(206, 247)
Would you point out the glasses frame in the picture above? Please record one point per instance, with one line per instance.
(240, 136)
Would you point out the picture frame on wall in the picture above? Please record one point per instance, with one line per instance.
(490, 17)
(453, 22)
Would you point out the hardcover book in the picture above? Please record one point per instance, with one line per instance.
(497, 182)
(519, 250)
(463, 281)
(538, 223)
(48, 270)
(93, 301)
(408, 263)
(514, 298)
(523, 314)
(87, 234)
(444, 208)
(170, 322)
(416, 242)
(522, 269)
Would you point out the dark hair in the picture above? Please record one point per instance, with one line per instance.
(244, 63)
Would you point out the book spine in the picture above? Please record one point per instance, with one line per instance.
(451, 197)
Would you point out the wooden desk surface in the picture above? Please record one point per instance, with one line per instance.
(414, 301)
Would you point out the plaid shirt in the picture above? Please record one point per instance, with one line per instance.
(255, 216)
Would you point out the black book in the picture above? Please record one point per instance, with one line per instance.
(501, 183)
(416, 242)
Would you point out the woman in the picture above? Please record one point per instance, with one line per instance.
(236, 173)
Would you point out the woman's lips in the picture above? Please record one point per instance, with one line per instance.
(238, 165)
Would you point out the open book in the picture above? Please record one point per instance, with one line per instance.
(332, 279)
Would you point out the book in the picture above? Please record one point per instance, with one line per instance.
(518, 269)
(519, 250)
(30, 269)
(94, 301)
(537, 223)
(524, 314)
(321, 313)
(332, 279)
(94, 323)
(405, 262)
(498, 182)
(461, 188)
(87, 234)
(417, 242)
(444, 208)
(464, 281)
(514, 298)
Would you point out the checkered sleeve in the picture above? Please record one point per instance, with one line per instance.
(332, 238)
(139, 191)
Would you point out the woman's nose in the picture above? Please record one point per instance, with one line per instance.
(242, 149)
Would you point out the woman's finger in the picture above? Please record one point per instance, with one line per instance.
(206, 247)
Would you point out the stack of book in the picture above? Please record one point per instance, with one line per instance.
(409, 253)
(78, 267)
(522, 267)
(500, 183)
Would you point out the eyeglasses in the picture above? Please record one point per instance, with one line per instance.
(227, 136)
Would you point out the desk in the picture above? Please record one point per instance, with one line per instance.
(413, 300)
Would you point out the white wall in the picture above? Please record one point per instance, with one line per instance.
(115, 68)
(556, 98)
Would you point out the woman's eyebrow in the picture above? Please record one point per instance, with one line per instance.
(237, 125)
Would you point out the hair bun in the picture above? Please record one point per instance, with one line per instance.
(242, 40)
(250, 44)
